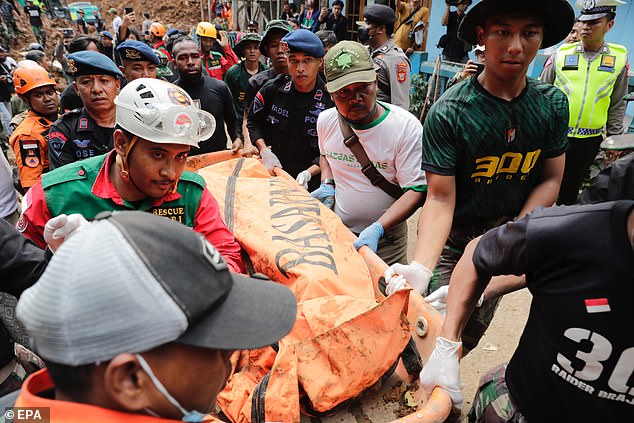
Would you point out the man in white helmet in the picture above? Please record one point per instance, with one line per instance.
(156, 124)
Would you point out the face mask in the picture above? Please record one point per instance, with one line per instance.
(188, 416)
(364, 35)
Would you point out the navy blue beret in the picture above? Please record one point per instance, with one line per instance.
(89, 62)
(107, 34)
(137, 51)
(172, 31)
(304, 41)
(380, 14)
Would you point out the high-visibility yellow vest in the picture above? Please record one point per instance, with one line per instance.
(588, 85)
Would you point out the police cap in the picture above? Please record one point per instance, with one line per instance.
(304, 41)
(596, 9)
(136, 51)
(379, 14)
(87, 62)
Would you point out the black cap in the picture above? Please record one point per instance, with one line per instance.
(379, 14)
(557, 15)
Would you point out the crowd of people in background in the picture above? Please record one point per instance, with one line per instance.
(328, 102)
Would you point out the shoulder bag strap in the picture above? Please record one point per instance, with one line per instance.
(351, 141)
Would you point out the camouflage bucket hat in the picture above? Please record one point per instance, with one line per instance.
(277, 25)
(346, 63)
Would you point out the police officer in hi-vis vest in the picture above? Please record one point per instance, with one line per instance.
(593, 74)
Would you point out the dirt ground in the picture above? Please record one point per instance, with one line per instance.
(496, 347)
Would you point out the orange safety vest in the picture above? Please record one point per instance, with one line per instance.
(30, 147)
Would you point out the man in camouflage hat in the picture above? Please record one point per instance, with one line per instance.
(390, 137)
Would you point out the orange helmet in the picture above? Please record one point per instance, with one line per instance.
(206, 29)
(157, 29)
(26, 78)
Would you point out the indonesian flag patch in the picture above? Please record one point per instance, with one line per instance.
(597, 305)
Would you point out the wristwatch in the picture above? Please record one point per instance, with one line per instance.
(328, 181)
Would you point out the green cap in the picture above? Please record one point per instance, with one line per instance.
(348, 62)
(276, 25)
(162, 70)
(249, 37)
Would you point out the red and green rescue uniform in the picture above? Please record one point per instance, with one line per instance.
(85, 187)
(217, 64)
(162, 47)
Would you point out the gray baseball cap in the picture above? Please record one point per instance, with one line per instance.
(132, 281)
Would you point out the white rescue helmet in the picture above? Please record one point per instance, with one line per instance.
(161, 112)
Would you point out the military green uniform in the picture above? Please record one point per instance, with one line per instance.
(496, 151)
(394, 74)
(237, 78)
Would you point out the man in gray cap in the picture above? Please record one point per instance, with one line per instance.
(143, 327)
(484, 169)
(393, 66)
(593, 75)
(87, 131)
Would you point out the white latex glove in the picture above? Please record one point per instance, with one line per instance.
(417, 275)
(303, 178)
(438, 299)
(61, 227)
(395, 284)
(269, 159)
(443, 370)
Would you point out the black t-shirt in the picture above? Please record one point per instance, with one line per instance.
(35, 15)
(213, 96)
(575, 359)
(338, 26)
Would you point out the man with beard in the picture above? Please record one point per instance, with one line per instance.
(87, 131)
(36, 88)
(210, 94)
(157, 123)
(282, 120)
(390, 138)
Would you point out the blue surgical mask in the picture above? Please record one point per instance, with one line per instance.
(188, 416)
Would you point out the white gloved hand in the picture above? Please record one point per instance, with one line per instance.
(438, 299)
(303, 178)
(269, 159)
(395, 284)
(417, 275)
(60, 228)
(443, 370)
